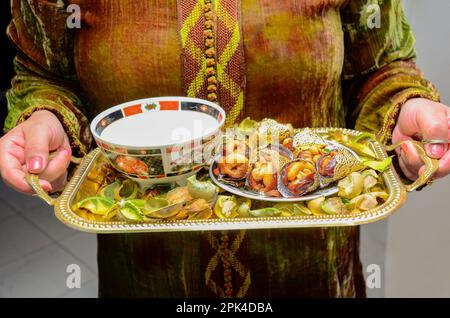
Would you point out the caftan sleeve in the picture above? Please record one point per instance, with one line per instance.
(45, 74)
(380, 73)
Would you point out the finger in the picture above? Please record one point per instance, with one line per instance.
(24, 188)
(37, 141)
(422, 169)
(12, 157)
(410, 157)
(59, 184)
(408, 173)
(434, 125)
(444, 166)
(57, 166)
(14, 176)
(444, 161)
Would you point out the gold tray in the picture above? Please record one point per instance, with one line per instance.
(77, 186)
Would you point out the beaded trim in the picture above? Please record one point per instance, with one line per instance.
(210, 51)
(225, 258)
(213, 69)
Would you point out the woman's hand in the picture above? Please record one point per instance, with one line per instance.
(26, 148)
(431, 120)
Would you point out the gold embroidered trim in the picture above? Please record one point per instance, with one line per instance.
(210, 51)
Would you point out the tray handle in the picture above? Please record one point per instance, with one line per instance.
(33, 181)
(431, 165)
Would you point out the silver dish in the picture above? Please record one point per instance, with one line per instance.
(256, 196)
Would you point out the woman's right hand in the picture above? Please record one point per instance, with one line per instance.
(26, 148)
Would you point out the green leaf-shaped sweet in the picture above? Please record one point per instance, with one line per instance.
(368, 201)
(140, 203)
(178, 195)
(112, 211)
(226, 207)
(108, 191)
(351, 186)
(361, 149)
(154, 204)
(378, 165)
(243, 207)
(365, 135)
(314, 206)
(265, 212)
(201, 189)
(370, 179)
(96, 205)
(301, 209)
(127, 190)
(247, 126)
(293, 209)
(333, 206)
(131, 212)
(160, 208)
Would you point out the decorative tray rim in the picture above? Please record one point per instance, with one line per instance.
(64, 212)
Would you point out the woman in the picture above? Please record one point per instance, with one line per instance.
(308, 62)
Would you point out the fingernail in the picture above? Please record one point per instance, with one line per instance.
(46, 187)
(35, 163)
(65, 152)
(437, 150)
(406, 147)
(421, 170)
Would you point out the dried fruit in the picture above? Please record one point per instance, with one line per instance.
(297, 178)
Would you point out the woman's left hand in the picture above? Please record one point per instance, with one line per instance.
(431, 120)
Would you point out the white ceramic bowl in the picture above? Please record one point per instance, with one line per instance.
(159, 140)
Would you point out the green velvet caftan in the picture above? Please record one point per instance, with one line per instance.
(308, 62)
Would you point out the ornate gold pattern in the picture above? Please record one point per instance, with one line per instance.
(64, 212)
(225, 255)
(212, 66)
(346, 163)
(217, 63)
(210, 51)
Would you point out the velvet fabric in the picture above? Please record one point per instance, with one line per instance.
(308, 62)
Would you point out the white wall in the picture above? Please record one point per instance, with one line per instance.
(430, 20)
(417, 259)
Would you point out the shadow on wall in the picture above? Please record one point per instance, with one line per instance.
(7, 55)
